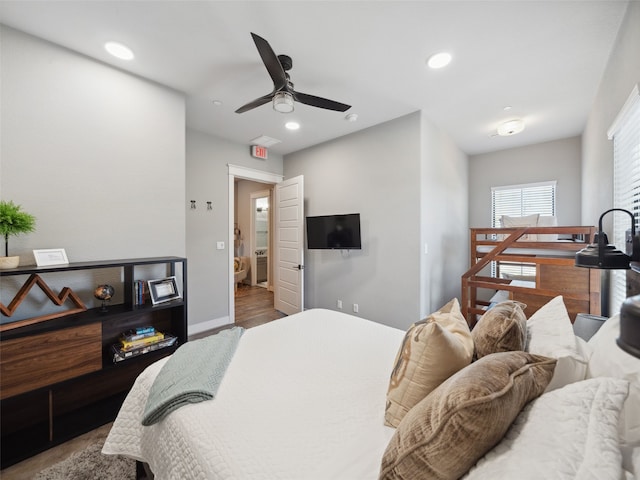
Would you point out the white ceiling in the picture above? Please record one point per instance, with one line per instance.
(543, 58)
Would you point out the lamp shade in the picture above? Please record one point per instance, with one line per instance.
(629, 339)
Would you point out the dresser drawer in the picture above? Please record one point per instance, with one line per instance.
(39, 360)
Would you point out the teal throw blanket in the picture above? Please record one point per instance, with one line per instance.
(192, 374)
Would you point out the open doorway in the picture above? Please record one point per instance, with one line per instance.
(287, 234)
(252, 217)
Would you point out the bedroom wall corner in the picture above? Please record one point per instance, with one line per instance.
(444, 217)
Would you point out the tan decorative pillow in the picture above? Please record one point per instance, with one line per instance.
(445, 434)
(433, 349)
(502, 329)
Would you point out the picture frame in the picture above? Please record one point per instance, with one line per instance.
(164, 290)
(50, 256)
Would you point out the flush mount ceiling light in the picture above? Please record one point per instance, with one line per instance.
(439, 60)
(510, 127)
(292, 125)
(283, 102)
(119, 50)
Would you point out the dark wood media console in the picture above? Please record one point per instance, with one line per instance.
(57, 377)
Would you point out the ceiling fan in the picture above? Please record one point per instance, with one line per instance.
(283, 94)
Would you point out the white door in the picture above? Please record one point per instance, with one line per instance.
(288, 253)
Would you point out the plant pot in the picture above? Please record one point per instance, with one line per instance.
(9, 262)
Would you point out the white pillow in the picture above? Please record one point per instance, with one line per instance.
(609, 360)
(526, 221)
(547, 221)
(570, 433)
(550, 333)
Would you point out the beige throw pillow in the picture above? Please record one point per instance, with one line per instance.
(433, 349)
(502, 329)
(517, 222)
(444, 435)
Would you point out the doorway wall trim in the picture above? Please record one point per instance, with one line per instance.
(245, 173)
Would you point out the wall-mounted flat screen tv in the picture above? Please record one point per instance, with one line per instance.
(339, 232)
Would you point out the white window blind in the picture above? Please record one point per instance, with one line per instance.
(625, 133)
(522, 200)
(519, 201)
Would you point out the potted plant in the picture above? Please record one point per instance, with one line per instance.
(13, 221)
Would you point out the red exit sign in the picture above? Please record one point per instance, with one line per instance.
(259, 151)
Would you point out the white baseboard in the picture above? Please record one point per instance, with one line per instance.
(208, 325)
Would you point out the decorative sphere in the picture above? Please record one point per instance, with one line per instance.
(103, 292)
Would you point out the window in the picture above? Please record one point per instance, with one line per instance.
(519, 201)
(625, 133)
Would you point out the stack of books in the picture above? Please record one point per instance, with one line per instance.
(140, 292)
(139, 341)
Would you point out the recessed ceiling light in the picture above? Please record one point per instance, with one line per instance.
(352, 117)
(217, 103)
(292, 125)
(439, 60)
(118, 50)
(507, 108)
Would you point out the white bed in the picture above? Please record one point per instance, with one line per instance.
(304, 398)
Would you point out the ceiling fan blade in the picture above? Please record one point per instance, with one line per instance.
(255, 103)
(270, 60)
(320, 102)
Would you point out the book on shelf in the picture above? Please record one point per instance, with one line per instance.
(135, 334)
(120, 354)
(140, 292)
(141, 342)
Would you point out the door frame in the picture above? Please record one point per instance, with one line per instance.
(244, 173)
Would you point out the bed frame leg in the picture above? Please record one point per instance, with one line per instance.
(143, 472)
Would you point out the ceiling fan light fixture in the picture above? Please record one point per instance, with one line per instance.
(510, 127)
(283, 102)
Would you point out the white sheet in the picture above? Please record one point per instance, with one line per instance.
(303, 398)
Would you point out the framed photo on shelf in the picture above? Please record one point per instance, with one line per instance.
(163, 290)
(50, 256)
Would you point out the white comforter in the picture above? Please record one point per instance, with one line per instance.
(303, 398)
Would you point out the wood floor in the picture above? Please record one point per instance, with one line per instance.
(254, 306)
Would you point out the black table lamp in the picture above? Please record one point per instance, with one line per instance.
(602, 255)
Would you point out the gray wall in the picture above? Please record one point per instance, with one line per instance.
(382, 173)
(97, 155)
(621, 75)
(444, 217)
(558, 160)
(207, 180)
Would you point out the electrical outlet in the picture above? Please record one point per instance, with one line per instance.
(339, 304)
(355, 308)
(220, 245)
